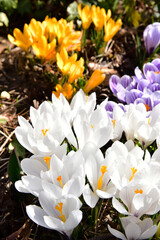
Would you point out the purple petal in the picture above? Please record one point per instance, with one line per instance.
(114, 79)
(142, 84)
(133, 95)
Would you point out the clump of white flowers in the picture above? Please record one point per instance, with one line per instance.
(125, 172)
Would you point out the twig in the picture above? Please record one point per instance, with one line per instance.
(7, 140)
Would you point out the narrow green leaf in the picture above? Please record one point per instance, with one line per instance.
(14, 167)
(20, 151)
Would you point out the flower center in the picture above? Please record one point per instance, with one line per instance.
(147, 107)
(157, 72)
(59, 208)
(134, 170)
(114, 123)
(92, 126)
(149, 120)
(44, 132)
(59, 179)
(100, 180)
(47, 160)
(138, 191)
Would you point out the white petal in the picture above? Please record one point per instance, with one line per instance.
(47, 202)
(21, 187)
(133, 231)
(90, 198)
(149, 232)
(116, 233)
(32, 166)
(119, 206)
(74, 219)
(36, 214)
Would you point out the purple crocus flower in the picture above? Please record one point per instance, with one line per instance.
(144, 85)
(151, 36)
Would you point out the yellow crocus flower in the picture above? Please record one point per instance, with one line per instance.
(76, 70)
(36, 29)
(63, 29)
(96, 78)
(67, 37)
(111, 28)
(50, 27)
(64, 62)
(45, 50)
(85, 15)
(67, 90)
(69, 65)
(99, 17)
(72, 41)
(23, 40)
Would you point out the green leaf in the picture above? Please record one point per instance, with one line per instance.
(3, 19)
(3, 121)
(14, 167)
(20, 151)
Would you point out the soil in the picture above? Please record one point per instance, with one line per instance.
(30, 85)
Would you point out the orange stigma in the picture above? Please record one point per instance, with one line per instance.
(59, 208)
(59, 179)
(47, 160)
(134, 170)
(147, 107)
(100, 180)
(114, 123)
(44, 132)
(138, 191)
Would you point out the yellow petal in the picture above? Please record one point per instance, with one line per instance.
(96, 79)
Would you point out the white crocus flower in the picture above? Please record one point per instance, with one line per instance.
(95, 128)
(98, 172)
(46, 132)
(139, 200)
(127, 161)
(135, 229)
(61, 177)
(82, 101)
(132, 117)
(62, 214)
(116, 121)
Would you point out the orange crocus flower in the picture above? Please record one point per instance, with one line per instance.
(67, 90)
(96, 78)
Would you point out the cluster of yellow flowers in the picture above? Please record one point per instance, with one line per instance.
(73, 69)
(100, 19)
(47, 38)
(52, 39)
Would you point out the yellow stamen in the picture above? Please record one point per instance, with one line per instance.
(114, 122)
(149, 120)
(92, 126)
(147, 107)
(59, 179)
(59, 208)
(44, 132)
(47, 160)
(100, 180)
(134, 170)
(138, 191)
